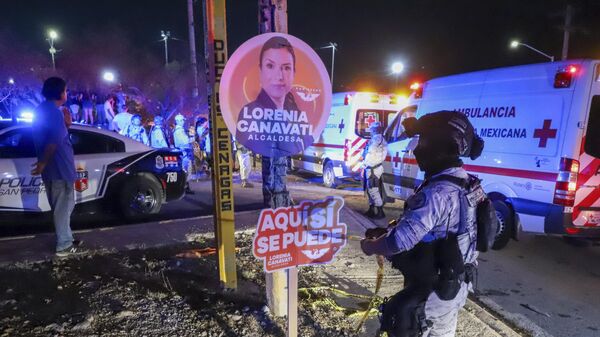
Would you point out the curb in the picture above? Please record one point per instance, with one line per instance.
(516, 320)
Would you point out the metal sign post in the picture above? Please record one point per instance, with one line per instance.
(215, 32)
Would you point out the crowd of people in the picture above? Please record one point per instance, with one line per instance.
(90, 108)
(193, 142)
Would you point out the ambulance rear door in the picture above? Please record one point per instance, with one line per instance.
(368, 108)
(400, 178)
(586, 211)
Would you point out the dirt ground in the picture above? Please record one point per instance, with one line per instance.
(170, 291)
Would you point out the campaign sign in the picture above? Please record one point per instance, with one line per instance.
(275, 95)
(306, 234)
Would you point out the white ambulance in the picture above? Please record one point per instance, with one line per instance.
(541, 126)
(337, 153)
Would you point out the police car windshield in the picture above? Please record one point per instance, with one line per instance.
(592, 138)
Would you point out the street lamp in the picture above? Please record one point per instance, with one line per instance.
(165, 37)
(333, 47)
(397, 68)
(11, 81)
(52, 35)
(515, 44)
(108, 76)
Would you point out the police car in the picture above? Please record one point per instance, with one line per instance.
(112, 170)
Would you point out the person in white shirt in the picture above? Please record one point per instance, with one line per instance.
(109, 111)
(121, 120)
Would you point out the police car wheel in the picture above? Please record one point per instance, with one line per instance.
(505, 224)
(140, 197)
(328, 175)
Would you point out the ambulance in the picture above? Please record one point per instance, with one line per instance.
(541, 127)
(337, 153)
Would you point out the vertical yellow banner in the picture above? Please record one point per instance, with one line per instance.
(215, 31)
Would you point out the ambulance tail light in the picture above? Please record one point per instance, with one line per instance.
(566, 182)
(346, 145)
(564, 76)
(348, 99)
(417, 89)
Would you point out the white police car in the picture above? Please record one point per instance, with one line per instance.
(112, 170)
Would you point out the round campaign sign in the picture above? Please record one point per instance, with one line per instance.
(275, 95)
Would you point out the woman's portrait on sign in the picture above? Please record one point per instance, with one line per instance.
(281, 107)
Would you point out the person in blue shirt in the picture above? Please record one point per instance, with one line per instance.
(55, 162)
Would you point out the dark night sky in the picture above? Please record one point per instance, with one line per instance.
(432, 37)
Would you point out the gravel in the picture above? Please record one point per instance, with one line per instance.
(168, 291)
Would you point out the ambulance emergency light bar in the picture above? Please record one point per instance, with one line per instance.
(564, 76)
(417, 89)
(367, 97)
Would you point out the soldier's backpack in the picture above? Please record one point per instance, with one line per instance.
(487, 221)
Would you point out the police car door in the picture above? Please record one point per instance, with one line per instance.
(19, 190)
(93, 153)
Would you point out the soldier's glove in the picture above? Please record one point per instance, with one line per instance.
(374, 233)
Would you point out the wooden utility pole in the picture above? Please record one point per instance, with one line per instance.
(215, 34)
(567, 30)
(192, 38)
(282, 286)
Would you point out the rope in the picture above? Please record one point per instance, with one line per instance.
(372, 301)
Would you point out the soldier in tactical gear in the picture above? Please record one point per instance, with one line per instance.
(434, 243)
(158, 134)
(135, 130)
(374, 156)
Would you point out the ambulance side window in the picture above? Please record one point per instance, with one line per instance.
(85, 142)
(17, 144)
(364, 118)
(592, 137)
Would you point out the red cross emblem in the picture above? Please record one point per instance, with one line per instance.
(396, 159)
(369, 120)
(545, 133)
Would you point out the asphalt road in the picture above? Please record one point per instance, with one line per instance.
(554, 284)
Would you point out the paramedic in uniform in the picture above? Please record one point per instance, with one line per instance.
(374, 156)
(182, 141)
(135, 130)
(277, 67)
(158, 134)
(435, 213)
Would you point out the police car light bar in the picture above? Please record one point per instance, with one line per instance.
(564, 76)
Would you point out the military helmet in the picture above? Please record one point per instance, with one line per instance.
(447, 126)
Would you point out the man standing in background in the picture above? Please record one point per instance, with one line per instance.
(56, 162)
